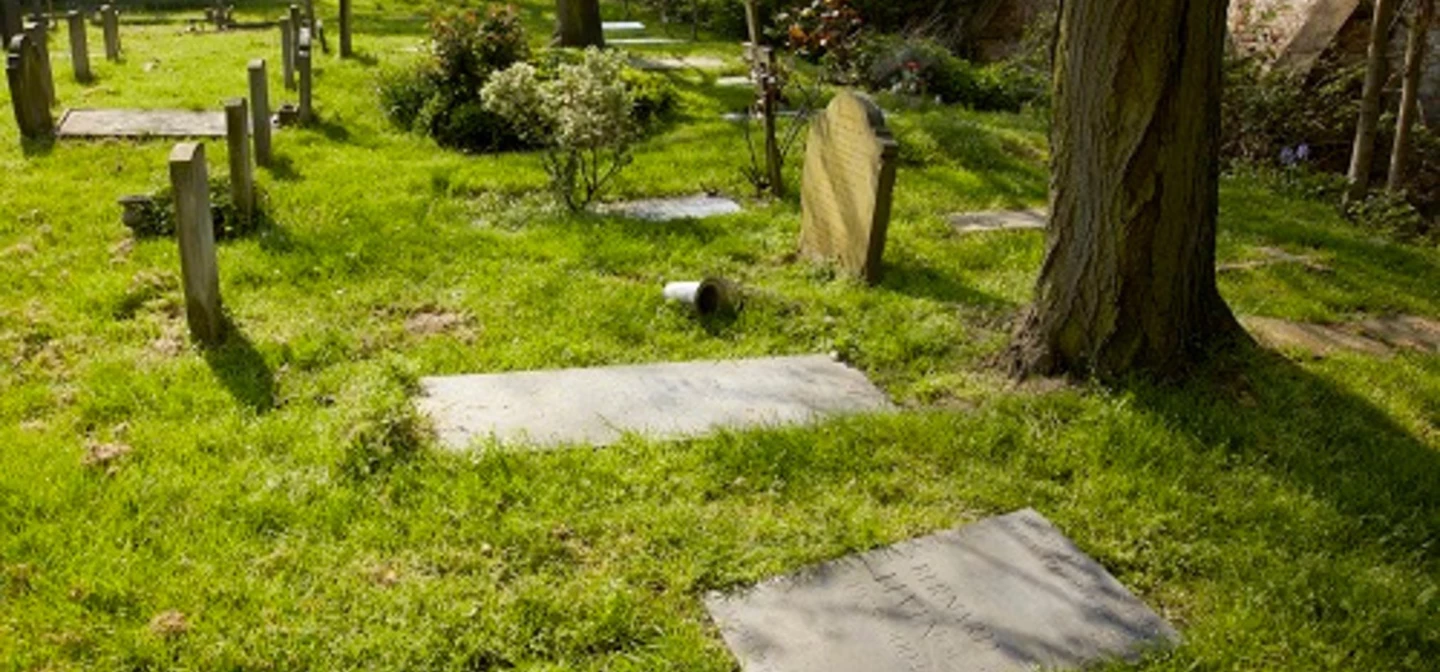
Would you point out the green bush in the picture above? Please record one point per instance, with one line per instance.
(654, 95)
(924, 67)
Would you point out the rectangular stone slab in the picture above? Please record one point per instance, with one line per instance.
(597, 406)
(142, 124)
(1006, 593)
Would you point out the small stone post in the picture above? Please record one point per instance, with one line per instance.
(40, 38)
(310, 14)
(242, 172)
(79, 54)
(346, 50)
(111, 22)
(287, 52)
(302, 64)
(260, 111)
(295, 21)
(196, 231)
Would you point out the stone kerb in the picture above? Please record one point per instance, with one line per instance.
(848, 178)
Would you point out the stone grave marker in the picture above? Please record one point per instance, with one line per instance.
(260, 110)
(302, 68)
(1009, 593)
(28, 94)
(846, 186)
(668, 209)
(125, 123)
(40, 36)
(1000, 220)
(195, 228)
(287, 53)
(642, 41)
(242, 172)
(79, 51)
(110, 21)
(346, 49)
(597, 406)
(616, 26)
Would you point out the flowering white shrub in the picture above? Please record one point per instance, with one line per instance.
(582, 117)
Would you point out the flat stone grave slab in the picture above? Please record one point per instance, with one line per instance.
(597, 406)
(668, 63)
(1006, 593)
(618, 26)
(669, 209)
(142, 124)
(742, 116)
(734, 80)
(1000, 220)
(641, 41)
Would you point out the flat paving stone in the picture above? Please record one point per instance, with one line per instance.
(668, 63)
(1006, 593)
(598, 406)
(668, 209)
(736, 80)
(641, 41)
(742, 116)
(999, 220)
(618, 26)
(141, 124)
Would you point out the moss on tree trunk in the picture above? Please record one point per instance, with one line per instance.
(1129, 275)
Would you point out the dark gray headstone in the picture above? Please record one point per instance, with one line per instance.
(79, 50)
(287, 53)
(260, 110)
(242, 172)
(1007, 593)
(28, 94)
(346, 48)
(195, 229)
(303, 64)
(110, 21)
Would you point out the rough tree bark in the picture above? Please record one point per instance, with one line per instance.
(1128, 281)
(578, 23)
(1362, 156)
(1410, 98)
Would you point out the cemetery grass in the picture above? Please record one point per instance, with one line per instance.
(274, 503)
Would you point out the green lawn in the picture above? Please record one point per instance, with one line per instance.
(1283, 513)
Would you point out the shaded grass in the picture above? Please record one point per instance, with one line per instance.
(283, 497)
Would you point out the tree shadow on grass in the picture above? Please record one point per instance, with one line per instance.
(242, 369)
(910, 276)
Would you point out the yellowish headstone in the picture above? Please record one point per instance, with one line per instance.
(845, 191)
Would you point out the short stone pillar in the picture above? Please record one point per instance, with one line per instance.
(287, 53)
(196, 231)
(11, 23)
(242, 172)
(28, 95)
(79, 52)
(260, 111)
(346, 47)
(40, 37)
(310, 13)
(302, 66)
(110, 19)
(297, 21)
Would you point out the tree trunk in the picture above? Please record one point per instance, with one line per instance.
(1363, 154)
(1129, 276)
(1409, 100)
(578, 23)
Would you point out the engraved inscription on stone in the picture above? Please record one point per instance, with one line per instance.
(845, 191)
(1007, 593)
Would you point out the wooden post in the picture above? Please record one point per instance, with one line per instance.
(346, 50)
(260, 111)
(302, 64)
(287, 53)
(111, 22)
(242, 173)
(196, 231)
(79, 53)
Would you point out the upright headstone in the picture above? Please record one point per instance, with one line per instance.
(346, 48)
(296, 21)
(10, 19)
(79, 53)
(302, 65)
(287, 52)
(190, 181)
(40, 37)
(111, 22)
(260, 111)
(242, 172)
(28, 96)
(846, 187)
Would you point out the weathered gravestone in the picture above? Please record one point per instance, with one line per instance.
(28, 92)
(346, 47)
(40, 36)
(79, 51)
(110, 21)
(125, 123)
(845, 190)
(287, 53)
(242, 172)
(260, 110)
(201, 276)
(1009, 593)
(302, 66)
